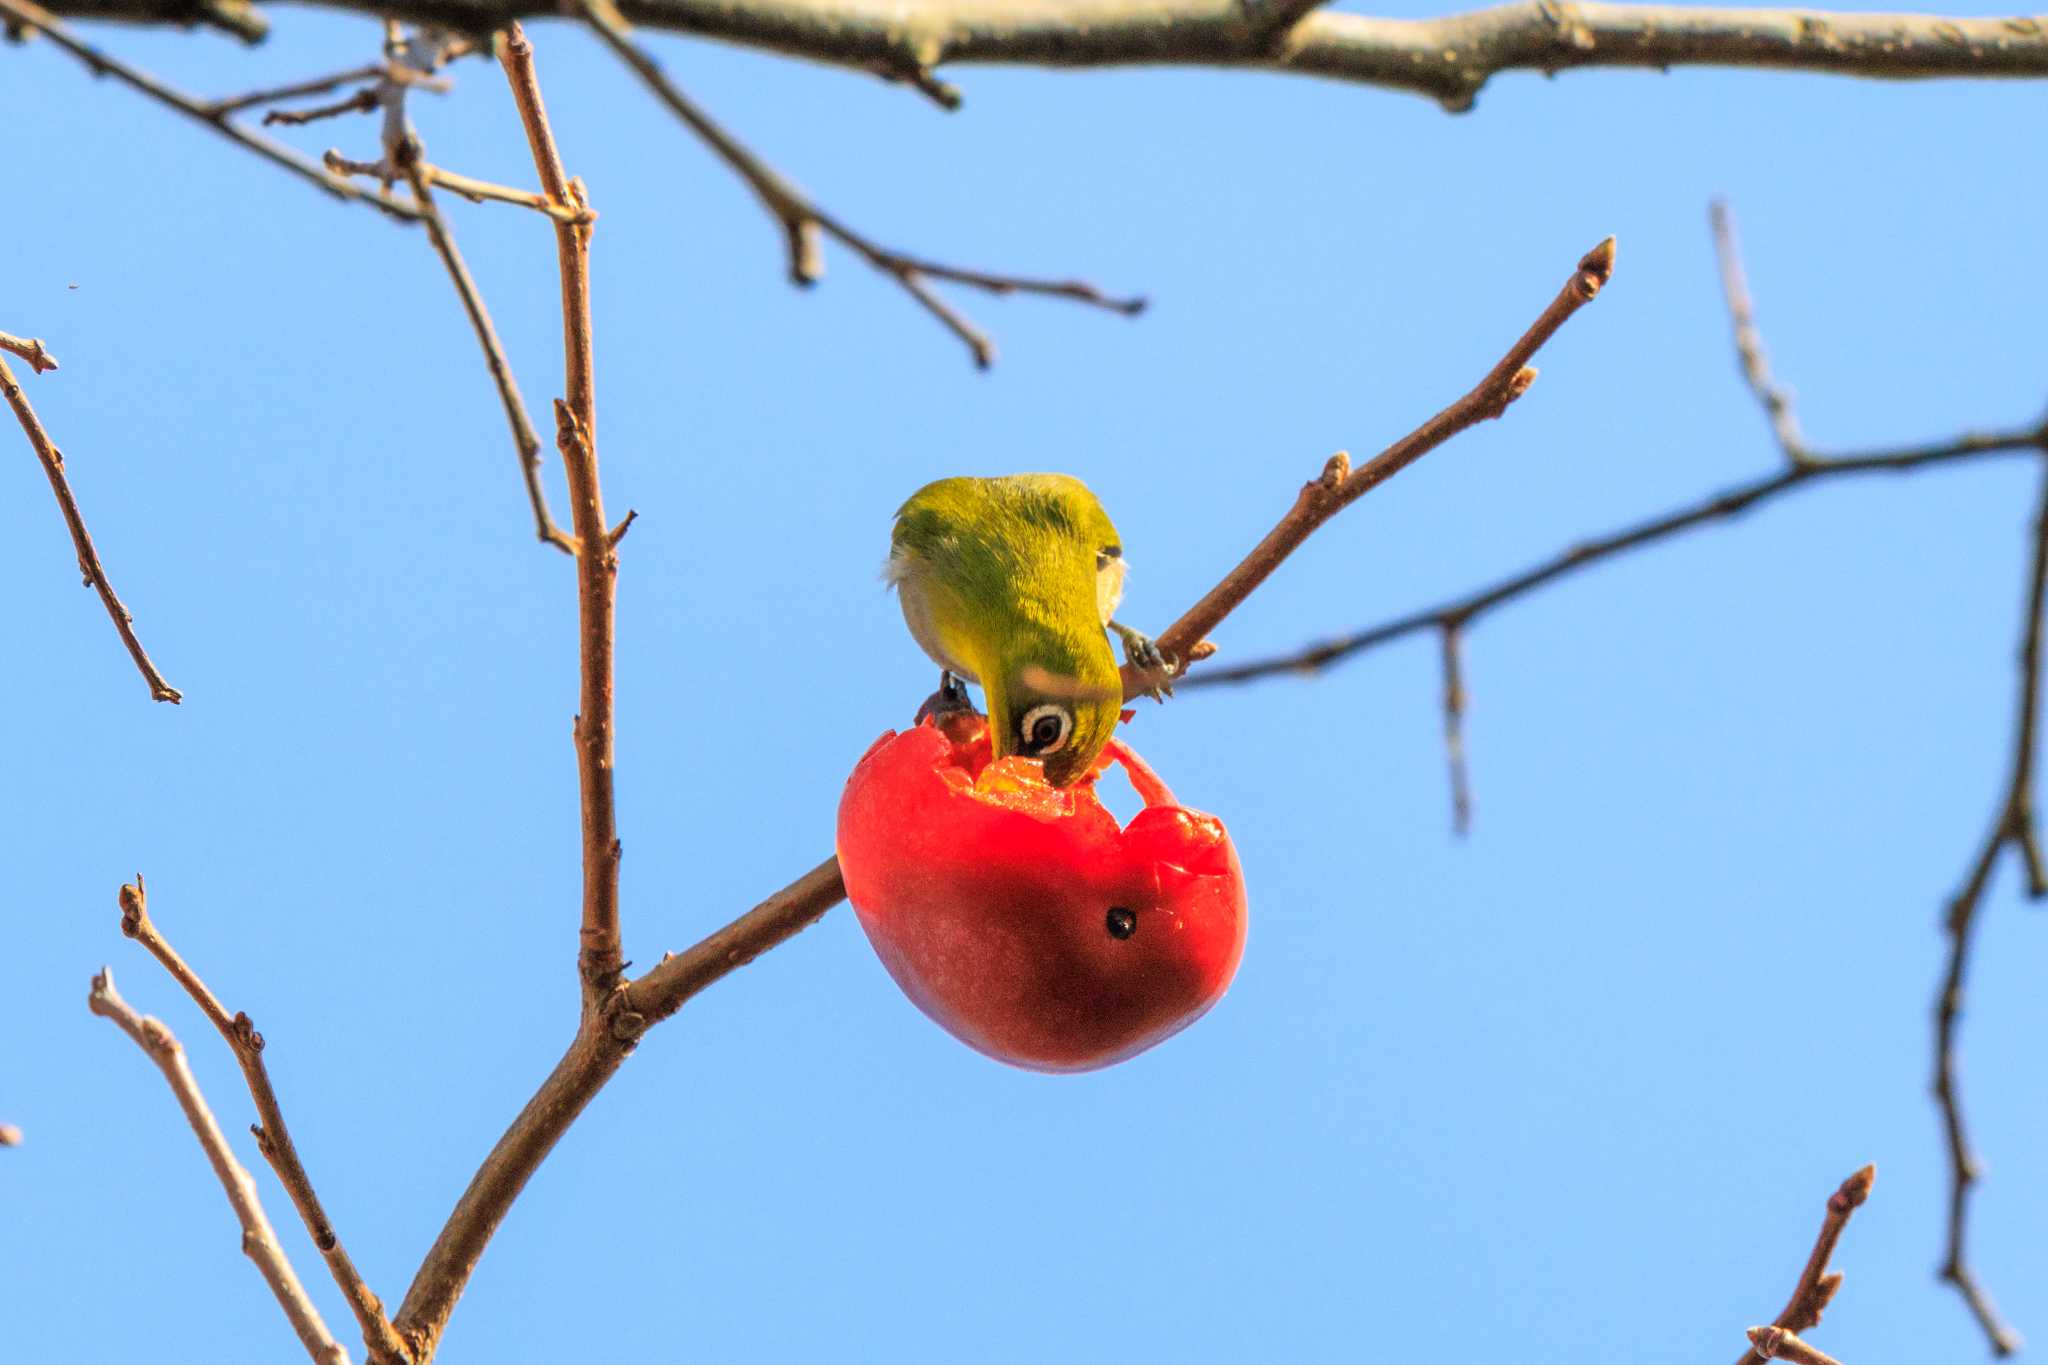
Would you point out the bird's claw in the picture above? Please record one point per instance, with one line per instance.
(1142, 654)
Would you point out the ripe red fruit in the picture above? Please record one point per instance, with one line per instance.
(1019, 916)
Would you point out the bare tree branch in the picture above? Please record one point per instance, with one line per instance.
(1749, 343)
(30, 349)
(1446, 59)
(81, 539)
(1340, 485)
(273, 1138)
(319, 85)
(259, 1243)
(30, 17)
(1453, 641)
(802, 220)
(1777, 1343)
(606, 1035)
(524, 440)
(2013, 826)
(1817, 1284)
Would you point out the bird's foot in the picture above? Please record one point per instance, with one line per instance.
(950, 700)
(1158, 667)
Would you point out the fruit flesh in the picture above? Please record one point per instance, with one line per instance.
(1021, 917)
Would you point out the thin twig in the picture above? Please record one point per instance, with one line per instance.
(30, 349)
(364, 101)
(1727, 502)
(1454, 728)
(273, 1138)
(319, 85)
(1340, 485)
(81, 539)
(27, 15)
(2014, 827)
(259, 1242)
(1817, 1284)
(525, 441)
(1749, 343)
(802, 220)
(597, 560)
(1777, 1343)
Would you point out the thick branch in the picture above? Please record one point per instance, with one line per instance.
(259, 1243)
(81, 539)
(273, 1138)
(1447, 59)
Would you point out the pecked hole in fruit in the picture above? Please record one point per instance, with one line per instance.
(1121, 922)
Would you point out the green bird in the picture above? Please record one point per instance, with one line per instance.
(1013, 583)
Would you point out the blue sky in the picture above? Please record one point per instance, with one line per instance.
(1586, 1075)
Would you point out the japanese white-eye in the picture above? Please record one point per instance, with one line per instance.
(1012, 583)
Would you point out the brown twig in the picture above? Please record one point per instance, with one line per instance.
(30, 349)
(81, 539)
(1817, 1284)
(319, 85)
(597, 561)
(1749, 343)
(1776, 1343)
(27, 15)
(1340, 485)
(802, 220)
(364, 101)
(259, 1242)
(273, 1138)
(475, 191)
(2014, 827)
(525, 441)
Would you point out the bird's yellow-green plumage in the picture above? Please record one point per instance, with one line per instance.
(1011, 582)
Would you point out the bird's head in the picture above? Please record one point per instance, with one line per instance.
(1060, 706)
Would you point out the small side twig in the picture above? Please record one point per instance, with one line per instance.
(30, 349)
(802, 220)
(259, 1242)
(273, 1138)
(524, 439)
(318, 85)
(81, 539)
(1817, 1284)
(2013, 826)
(1749, 342)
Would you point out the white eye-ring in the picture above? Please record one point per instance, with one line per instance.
(1044, 729)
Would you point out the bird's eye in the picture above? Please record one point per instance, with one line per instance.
(1044, 729)
(1121, 922)
(1107, 556)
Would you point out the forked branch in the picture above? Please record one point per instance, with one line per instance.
(273, 1138)
(259, 1242)
(606, 1036)
(802, 220)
